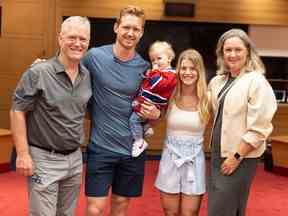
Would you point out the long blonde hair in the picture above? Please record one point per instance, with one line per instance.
(253, 63)
(195, 57)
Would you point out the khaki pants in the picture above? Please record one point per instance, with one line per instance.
(54, 188)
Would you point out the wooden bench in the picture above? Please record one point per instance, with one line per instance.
(6, 148)
(280, 151)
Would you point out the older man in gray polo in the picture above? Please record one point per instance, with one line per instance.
(47, 115)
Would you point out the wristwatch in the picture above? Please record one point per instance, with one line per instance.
(238, 157)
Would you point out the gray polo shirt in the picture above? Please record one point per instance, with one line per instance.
(55, 108)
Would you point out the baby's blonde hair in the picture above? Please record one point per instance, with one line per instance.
(163, 44)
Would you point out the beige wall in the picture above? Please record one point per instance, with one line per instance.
(270, 40)
(29, 27)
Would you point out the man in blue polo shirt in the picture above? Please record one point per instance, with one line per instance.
(116, 72)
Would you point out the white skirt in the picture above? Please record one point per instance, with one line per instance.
(182, 166)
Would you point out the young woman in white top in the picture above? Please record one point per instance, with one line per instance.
(181, 176)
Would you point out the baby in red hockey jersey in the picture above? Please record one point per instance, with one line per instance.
(157, 87)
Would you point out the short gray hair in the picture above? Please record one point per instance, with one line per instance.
(75, 20)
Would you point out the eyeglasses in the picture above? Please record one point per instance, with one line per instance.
(74, 39)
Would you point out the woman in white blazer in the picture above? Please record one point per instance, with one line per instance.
(243, 105)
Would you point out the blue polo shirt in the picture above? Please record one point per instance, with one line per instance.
(114, 85)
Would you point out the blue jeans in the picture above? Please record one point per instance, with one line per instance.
(136, 126)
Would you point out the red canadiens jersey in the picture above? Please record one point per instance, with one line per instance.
(157, 87)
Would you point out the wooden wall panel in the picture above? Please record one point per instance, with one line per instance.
(263, 12)
(280, 151)
(22, 17)
(272, 12)
(103, 8)
(156, 142)
(16, 54)
(280, 121)
(49, 34)
(4, 118)
(21, 42)
(243, 11)
(6, 146)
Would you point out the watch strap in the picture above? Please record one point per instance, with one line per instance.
(237, 156)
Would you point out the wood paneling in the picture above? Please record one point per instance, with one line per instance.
(21, 42)
(16, 54)
(280, 121)
(272, 12)
(50, 28)
(156, 141)
(22, 18)
(280, 151)
(267, 12)
(6, 146)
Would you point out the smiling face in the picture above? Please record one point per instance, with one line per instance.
(188, 73)
(129, 31)
(234, 54)
(73, 42)
(160, 59)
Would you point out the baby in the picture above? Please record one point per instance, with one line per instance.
(157, 87)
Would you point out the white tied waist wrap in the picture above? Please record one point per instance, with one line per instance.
(184, 149)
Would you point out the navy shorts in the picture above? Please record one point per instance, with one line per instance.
(124, 173)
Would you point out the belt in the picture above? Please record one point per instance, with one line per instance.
(63, 152)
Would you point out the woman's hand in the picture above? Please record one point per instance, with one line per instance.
(149, 111)
(229, 165)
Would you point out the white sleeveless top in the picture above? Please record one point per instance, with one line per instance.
(182, 165)
(183, 122)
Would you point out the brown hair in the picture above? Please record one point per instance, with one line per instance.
(131, 10)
